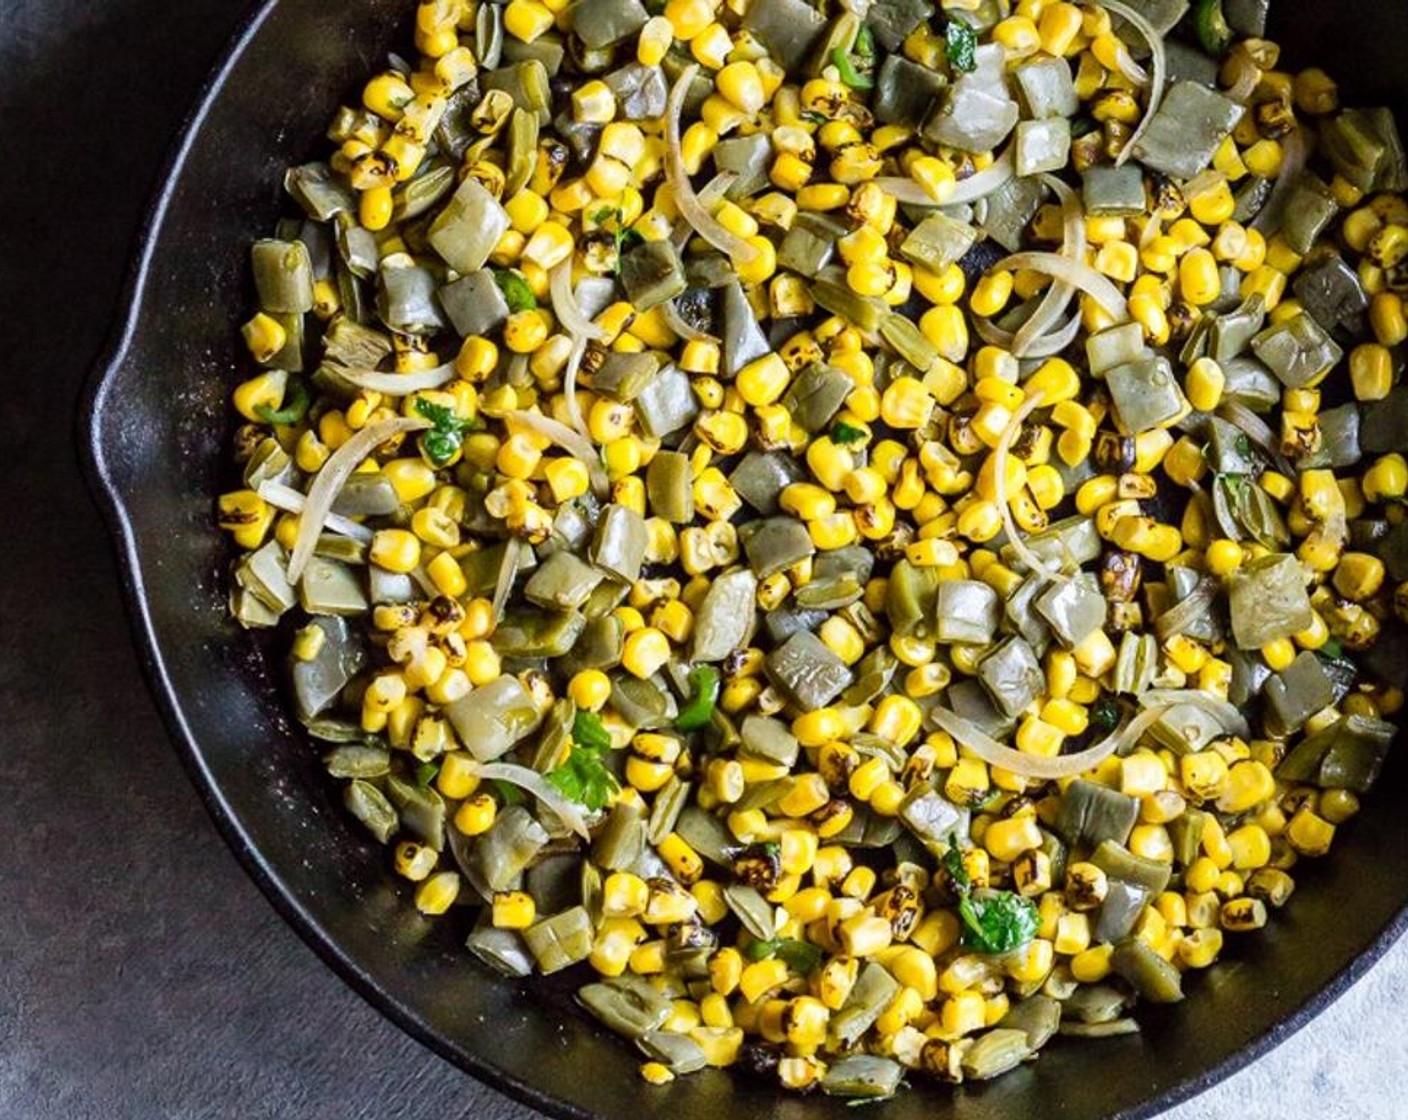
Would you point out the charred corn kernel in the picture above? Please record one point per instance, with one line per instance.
(246, 517)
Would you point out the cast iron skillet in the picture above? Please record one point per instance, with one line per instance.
(156, 445)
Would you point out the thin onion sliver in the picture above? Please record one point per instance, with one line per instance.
(1060, 294)
(565, 307)
(552, 798)
(970, 190)
(1078, 275)
(1224, 711)
(1158, 64)
(328, 483)
(969, 735)
(690, 208)
(290, 500)
(569, 388)
(710, 193)
(397, 384)
(508, 572)
(573, 442)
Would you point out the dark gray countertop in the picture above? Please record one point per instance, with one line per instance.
(142, 975)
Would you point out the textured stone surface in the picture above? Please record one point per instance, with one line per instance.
(142, 976)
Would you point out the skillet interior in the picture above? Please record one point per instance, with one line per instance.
(158, 425)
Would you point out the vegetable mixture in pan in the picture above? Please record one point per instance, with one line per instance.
(873, 533)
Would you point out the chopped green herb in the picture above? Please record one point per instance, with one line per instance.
(962, 43)
(443, 441)
(811, 116)
(995, 921)
(590, 732)
(844, 433)
(848, 72)
(295, 405)
(507, 792)
(1331, 650)
(802, 957)
(584, 777)
(704, 680)
(517, 294)
(425, 773)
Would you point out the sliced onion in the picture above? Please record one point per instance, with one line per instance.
(999, 471)
(969, 735)
(1294, 153)
(1058, 297)
(569, 388)
(292, 501)
(398, 384)
(1187, 610)
(565, 307)
(1124, 61)
(562, 807)
(1225, 712)
(709, 194)
(1058, 341)
(1158, 64)
(1077, 274)
(690, 208)
(328, 483)
(508, 572)
(573, 442)
(676, 322)
(1245, 85)
(1255, 429)
(972, 189)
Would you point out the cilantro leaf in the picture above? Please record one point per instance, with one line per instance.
(994, 921)
(425, 774)
(517, 294)
(962, 42)
(997, 923)
(584, 776)
(443, 441)
(843, 433)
